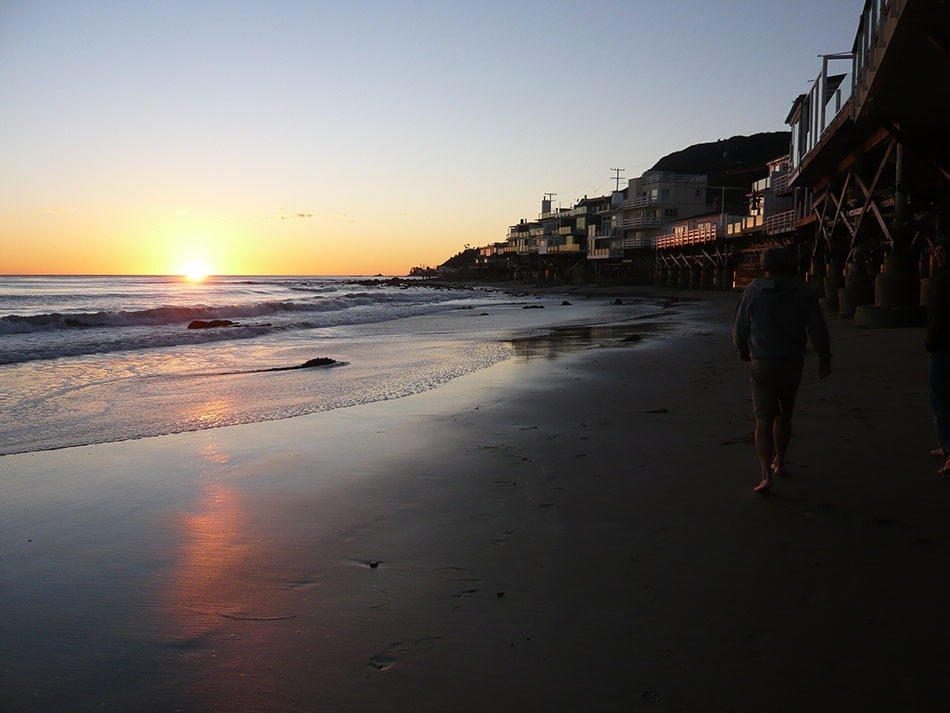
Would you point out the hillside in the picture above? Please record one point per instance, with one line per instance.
(735, 162)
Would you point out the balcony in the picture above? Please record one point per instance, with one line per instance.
(646, 201)
(704, 233)
(877, 26)
(638, 242)
(639, 221)
(781, 182)
(748, 224)
(604, 254)
(823, 110)
(651, 177)
(780, 223)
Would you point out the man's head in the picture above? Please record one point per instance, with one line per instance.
(778, 261)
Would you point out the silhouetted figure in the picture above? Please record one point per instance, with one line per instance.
(938, 344)
(773, 317)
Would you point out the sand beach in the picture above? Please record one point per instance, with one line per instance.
(569, 530)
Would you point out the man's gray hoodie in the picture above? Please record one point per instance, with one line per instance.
(773, 317)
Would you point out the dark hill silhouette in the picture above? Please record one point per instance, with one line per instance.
(735, 162)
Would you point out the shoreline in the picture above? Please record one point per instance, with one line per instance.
(103, 398)
(575, 533)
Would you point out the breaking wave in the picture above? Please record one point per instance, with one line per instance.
(17, 324)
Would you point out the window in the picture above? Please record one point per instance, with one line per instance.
(670, 213)
(664, 193)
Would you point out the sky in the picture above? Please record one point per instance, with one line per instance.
(359, 138)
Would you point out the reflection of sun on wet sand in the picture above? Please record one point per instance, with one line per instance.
(215, 547)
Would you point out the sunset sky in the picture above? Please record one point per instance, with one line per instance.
(357, 137)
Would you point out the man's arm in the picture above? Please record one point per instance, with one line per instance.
(818, 332)
(740, 328)
(936, 319)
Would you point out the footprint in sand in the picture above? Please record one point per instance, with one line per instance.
(502, 539)
(388, 658)
(460, 575)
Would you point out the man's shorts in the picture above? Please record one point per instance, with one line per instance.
(774, 384)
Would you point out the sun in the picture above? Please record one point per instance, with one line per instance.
(195, 272)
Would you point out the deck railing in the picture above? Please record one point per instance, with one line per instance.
(604, 253)
(780, 223)
(705, 233)
(780, 182)
(640, 221)
(638, 242)
(646, 201)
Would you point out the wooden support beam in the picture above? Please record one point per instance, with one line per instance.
(823, 201)
(869, 196)
(839, 213)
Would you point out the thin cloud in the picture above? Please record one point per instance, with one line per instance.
(282, 216)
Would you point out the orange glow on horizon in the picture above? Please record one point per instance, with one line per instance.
(162, 242)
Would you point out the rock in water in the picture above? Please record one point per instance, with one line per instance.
(210, 324)
(319, 361)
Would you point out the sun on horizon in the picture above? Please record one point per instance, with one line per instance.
(195, 272)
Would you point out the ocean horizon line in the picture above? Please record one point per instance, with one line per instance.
(178, 274)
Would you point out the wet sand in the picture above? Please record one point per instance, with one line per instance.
(565, 531)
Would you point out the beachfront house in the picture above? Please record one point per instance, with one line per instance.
(623, 246)
(656, 199)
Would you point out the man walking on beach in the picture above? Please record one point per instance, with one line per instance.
(938, 344)
(772, 319)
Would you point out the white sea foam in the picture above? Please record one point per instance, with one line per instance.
(73, 330)
(143, 373)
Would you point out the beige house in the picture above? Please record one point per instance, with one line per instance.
(653, 201)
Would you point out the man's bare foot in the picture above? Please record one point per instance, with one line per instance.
(937, 452)
(945, 468)
(764, 485)
(779, 470)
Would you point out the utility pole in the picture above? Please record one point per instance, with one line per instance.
(617, 177)
(722, 200)
(722, 203)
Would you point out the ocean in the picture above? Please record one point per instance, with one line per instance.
(87, 360)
